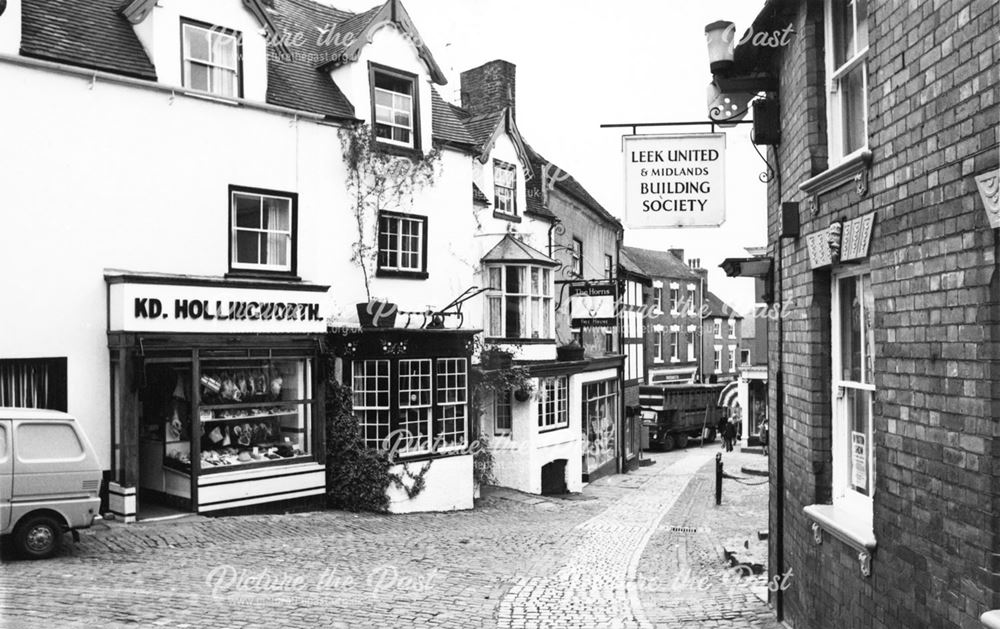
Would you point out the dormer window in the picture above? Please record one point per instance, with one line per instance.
(211, 59)
(504, 188)
(394, 107)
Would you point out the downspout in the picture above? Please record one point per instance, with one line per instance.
(620, 294)
(779, 417)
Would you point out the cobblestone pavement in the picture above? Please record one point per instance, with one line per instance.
(682, 579)
(515, 561)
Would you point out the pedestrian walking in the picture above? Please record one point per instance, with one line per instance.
(721, 430)
(729, 436)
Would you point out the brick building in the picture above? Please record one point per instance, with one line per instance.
(883, 385)
(721, 336)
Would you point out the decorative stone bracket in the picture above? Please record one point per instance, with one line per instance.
(844, 526)
(865, 559)
(989, 190)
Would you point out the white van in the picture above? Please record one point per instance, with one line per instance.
(49, 479)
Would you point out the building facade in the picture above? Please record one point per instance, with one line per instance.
(883, 383)
(206, 261)
(721, 338)
(671, 326)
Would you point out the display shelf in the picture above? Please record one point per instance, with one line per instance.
(240, 405)
(249, 417)
(255, 463)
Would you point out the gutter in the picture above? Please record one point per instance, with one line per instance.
(173, 90)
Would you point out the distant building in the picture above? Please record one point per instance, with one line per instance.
(671, 327)
(721, 336)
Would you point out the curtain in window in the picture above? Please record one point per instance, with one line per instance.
(276, 215)
(223, 54)
(24, 384)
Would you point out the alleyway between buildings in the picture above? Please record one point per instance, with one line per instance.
(634, 550)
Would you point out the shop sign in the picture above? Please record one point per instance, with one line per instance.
(220, 309)
(675, 180)
(859, 461)
(592, 305)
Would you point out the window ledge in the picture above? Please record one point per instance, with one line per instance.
(846, 526)
(991, 620)
(838, 175)
(409, 275)
(504, 216)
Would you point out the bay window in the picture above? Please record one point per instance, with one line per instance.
(415, 406)
(262, 230)
(553, 410)
(853, 390)
(211, 59)
(519, 302)
(847, 77)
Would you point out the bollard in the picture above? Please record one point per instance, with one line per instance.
(718, 478)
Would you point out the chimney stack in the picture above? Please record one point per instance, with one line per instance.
(678, 253)
(489, 88)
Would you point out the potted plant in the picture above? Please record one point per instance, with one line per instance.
(379, 181)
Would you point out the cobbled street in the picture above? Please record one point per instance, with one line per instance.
(634, 550)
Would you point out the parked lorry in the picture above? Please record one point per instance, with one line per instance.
(50, 479)
(673, 414)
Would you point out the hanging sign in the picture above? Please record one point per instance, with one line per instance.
(592, 305)
(675, 180)
(859, 461)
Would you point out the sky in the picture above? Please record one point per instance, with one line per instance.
(583, 63)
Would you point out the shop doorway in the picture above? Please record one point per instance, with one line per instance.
(166, 408)
(554, 477)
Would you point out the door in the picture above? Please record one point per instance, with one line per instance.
(6, 474)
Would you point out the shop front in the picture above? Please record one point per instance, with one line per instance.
(216, 393)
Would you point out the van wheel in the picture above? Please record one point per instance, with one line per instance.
(668, 443)
(38, 536)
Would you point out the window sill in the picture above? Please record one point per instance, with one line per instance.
(414, 154)
(837, 175)
(991, 620)
(407, 275)
(504, 216)
(849, 526)
(546, 429)
(285, 276)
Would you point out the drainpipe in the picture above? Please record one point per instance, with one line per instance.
(779, 419)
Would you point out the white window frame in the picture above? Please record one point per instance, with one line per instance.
(717, 328)
(732, 359)
(658, 346)
(577, 256)
(835, 75)
(399, 251)
(675, 344)
(540, 302)
(658, 299)
(372, 414)
(420, 369)
(732, 328)
(229, 67)
(675, 298)
(452, 400)
(286, 234)
(744, 356)
(393, 109)
(504, 196)
(557, 386)
(843, 495)
(502, 399)
(717, 359)
(691, 341)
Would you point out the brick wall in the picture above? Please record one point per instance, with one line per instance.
(933, 117)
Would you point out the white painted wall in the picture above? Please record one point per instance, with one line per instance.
(160, 35)
(449, 486)
(116, 176)
(10, 28)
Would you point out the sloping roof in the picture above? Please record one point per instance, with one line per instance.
(88, 34)
(718, 308)
(660, 264)
(354, 33)
(549, 174)
(510, 249)
(97, 34)
(447, 126)
(293, 81)
(629, 265)
(478, 197)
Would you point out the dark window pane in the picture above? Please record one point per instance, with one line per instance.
(246, 247)
(247, 211)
